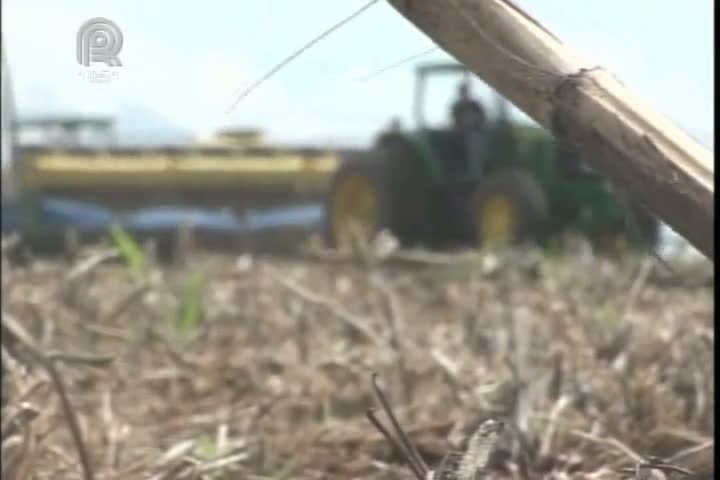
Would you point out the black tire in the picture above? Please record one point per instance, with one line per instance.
(642, 228)
(523, 192)
(404, 192)
(374, 170)
(411, 199)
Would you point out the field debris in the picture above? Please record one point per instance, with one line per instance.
(575, 368)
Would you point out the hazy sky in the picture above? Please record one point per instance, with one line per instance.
(183, 62)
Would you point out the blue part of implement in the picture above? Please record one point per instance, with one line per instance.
(169, 218)
(56, 213)
(63, 214)
(310, 215)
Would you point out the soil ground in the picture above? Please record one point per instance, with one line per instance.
(262, 368)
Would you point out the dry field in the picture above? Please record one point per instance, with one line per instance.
(241, 367)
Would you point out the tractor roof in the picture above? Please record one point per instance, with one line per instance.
(441, 67)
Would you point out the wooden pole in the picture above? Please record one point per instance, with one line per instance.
(584, 106)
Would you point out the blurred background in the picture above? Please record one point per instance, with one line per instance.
(256, 364)
(184, 65)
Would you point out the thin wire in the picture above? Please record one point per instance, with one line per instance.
(297, 53)
(397, 64)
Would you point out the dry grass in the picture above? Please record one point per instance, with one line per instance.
(594, 364)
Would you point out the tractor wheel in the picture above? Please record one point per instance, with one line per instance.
(356, 206)
(643, 229)
(509, 207)
(640, 232)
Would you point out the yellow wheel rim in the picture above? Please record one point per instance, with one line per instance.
(498, 221)
(355, 210)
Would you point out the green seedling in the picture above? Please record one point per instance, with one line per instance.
(129, 249)
(190, 308)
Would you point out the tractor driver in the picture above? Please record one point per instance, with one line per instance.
(469, 118)
(467, 112)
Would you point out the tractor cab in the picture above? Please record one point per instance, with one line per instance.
(453, 152)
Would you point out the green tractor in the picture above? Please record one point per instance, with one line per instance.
(483, 183)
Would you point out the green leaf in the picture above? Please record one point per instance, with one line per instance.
(129, 249)
(190, 308)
